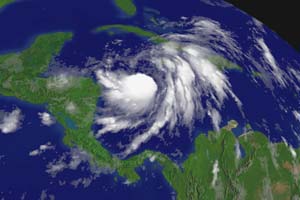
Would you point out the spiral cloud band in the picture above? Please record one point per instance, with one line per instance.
(184, 86)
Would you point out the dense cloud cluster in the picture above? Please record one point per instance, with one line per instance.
(184, 86)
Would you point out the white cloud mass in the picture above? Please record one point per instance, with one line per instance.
(46, 118)
(10, 122)
(42, 148)
(183, 86)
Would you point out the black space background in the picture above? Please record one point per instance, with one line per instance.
(283, 17)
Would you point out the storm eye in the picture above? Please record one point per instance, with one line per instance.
(139, 88)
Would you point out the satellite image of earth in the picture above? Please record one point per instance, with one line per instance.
(143, 100)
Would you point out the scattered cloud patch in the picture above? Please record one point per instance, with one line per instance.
(292, 150)
(11, 121)
(41, 149)
(127, 182)
(71, 107)
(46, 119)
(152, 158)
(85, 182)
(215, 172)
(45, 195)
(60, 82)
(238, 152)
(270, 60)
(215, 118)
(296, 115)
(69, 160)
(216, 3)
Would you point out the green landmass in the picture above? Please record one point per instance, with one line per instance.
(256, 74)
(267, 171)
(213, 171)
(20, 78)
(68, 98)
(127, 6)
(132, 29)
(5, 2)
(224, 64)
(154, 21)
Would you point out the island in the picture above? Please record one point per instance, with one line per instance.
(224, 64)
(115, 28)
(127, 6)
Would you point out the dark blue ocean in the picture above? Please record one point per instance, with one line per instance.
(24, 176)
